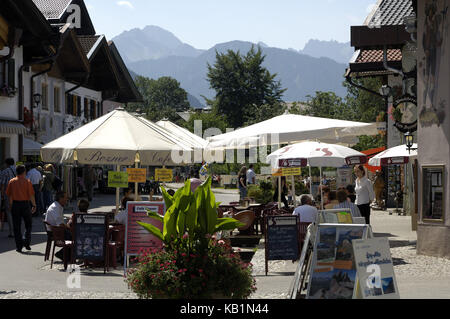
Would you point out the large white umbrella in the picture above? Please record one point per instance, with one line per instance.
(290, 128)
(315, 154)
(394, 156)
(194, 140)
(117, 138)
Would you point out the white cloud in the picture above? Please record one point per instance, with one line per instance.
(126, 4)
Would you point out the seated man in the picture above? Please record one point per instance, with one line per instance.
(55, 217)
(306, 211)
(344, 203)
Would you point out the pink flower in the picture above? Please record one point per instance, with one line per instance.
(221, 242)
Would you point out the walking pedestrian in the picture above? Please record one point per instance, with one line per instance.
(89, 181)
(6, 175)
(251, 175)
(35, 178)
(284, 191)
(364, 193)
(20, 194)
(242, 182)
(47, 187)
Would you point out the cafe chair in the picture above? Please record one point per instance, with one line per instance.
(60, 241)
(246, 217)
(116, 242)
(48, 247)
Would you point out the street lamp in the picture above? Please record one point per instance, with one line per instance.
(409, 142)
(37, 99)
(386, 91)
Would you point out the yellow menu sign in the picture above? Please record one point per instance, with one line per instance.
(137, 175)
(292, 171)
(163, 175)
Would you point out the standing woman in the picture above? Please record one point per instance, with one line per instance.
(242, 181)
(364, 193)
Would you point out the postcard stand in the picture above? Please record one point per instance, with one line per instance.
(308, 258)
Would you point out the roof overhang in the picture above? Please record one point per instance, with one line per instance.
(128, 90)
(71, 64)
(391, 36)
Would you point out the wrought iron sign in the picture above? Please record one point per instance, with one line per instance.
(405, 114)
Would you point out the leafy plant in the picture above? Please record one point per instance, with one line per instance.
(192, 213)
(192, 263)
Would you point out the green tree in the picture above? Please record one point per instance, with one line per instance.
(162, 98)
(367, 106)
(242, 86)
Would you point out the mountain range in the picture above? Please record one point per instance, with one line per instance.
(155, 52)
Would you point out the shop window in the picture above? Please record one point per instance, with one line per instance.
(44, 98)
(433, 193)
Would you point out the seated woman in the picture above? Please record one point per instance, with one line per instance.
(83, 206)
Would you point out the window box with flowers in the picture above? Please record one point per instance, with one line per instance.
(7, 91)
(193, 263)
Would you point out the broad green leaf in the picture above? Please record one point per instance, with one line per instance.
(210, 207)
(191, 216)
(155, 215)
(170, 223)
(152, 229)
(168, 200)
(224, 224)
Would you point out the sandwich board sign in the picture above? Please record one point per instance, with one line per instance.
(281, 238)
(137, 239)
(375, 269)
(333, 270)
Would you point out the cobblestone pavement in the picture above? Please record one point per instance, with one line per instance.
(31, 278)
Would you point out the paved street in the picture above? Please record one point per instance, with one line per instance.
(28, 276)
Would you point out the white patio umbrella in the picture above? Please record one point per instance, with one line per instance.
(394, 156)
(117, 138)
(290, 128)
(316, 154)
(194, 140)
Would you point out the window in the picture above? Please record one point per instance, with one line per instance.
(57, 99)
(86, 109)
(433, 193)
(44, 98)
(99, 109)
(93, 110)
(7, 78)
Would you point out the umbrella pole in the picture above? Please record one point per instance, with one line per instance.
(279, 192)
(136, 191)
(294, 200)
(321, 189)
(117, 193)
(310, 182)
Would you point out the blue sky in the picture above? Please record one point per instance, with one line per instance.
(204, 23)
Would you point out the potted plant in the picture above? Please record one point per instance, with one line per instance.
(193, 263)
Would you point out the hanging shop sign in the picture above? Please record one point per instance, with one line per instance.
(405, 114)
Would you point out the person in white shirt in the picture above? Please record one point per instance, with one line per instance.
(364, 193)
(251, 176)
(35, 178)
(122, 216)
(306, 211)
(55, 217)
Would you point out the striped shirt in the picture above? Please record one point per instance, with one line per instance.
(354, 209)
(7, 174)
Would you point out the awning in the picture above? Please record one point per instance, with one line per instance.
(31, 147)
(12, 128)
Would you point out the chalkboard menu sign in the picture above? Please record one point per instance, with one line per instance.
(90, 236)
(282, 238)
